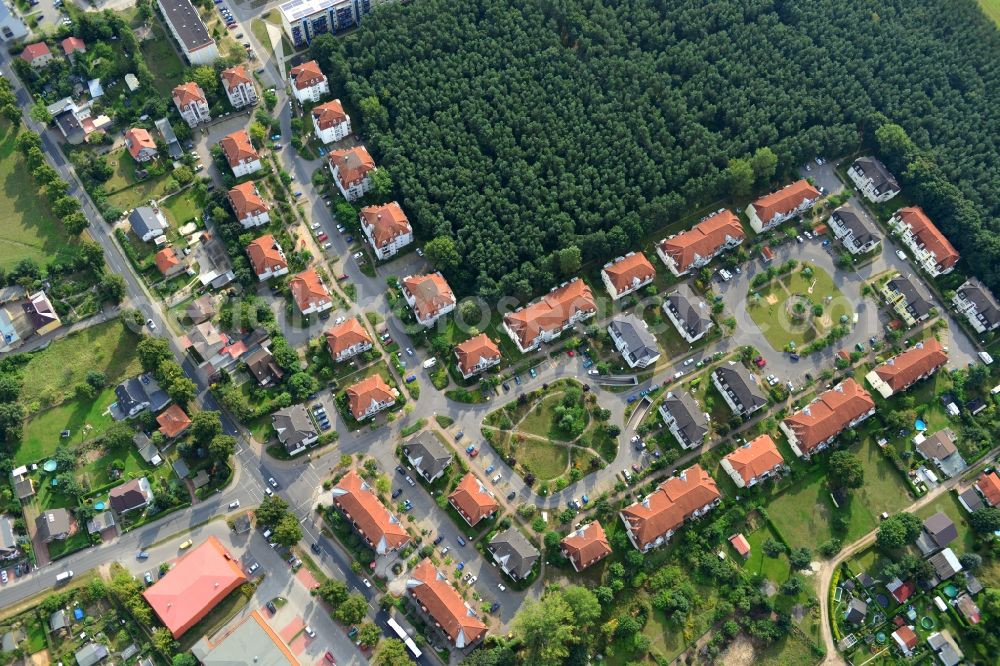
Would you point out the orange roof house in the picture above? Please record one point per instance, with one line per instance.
(351, 166)
(329, 114)
(370, 396)
(473, 500)
(309, 292)
(934, 252)
(697, 246)
(36, 54)
(386, 227)
(235, 76)
(173, 421)
(266, 257)
(194, 586)
(370, 518)
(651, 522)
(627, 274)
(813, 427)
(307, 75)
(906, 639)
(989, 486)
(71, 45)
(476, 354)
(188, 93)
(586, 545)
(740, 543)
(238, 148)
(347, 340)
(753, 462)
(546, 318)
(141, 145)
(429, 296)
(168, 262)
(247, 203)
(775, 208)
(444, 604)
(905, 369)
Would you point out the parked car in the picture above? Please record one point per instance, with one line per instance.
(329, 658)
(461, 565)
(409, 480)
(496, 479)
(358, 255)
(187, 544)
(438, 539)
(470, 448)
(901, 254)
(310, 632)
(397, 492)
(272, 482)
(511, 495)
(531, 371)
(147, 577)
(461, 541)
(234, 505)
(314, 547)
(253, 567)
(501, 587)
(495, 607)
(143, 555)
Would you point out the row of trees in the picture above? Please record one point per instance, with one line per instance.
(588, 124)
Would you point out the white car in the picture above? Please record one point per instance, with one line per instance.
(3, 577)
(689, 361)
(473, 580)
(310, 632)
(339, 320)
(234, 505)
(901, 254)
(593, 371)
(496, 479)
(253, 567)
(314, 225)
(678, 374)
(268, 491)
(151, 324)
(420, 252)
(409, 352)
(367, 583)
(501, 587)
(358, 255)
(327, 245)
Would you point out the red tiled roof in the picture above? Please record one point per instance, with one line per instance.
(307, 75)
(387, 222)
(668, 506)
(167, 259)
(194, 586)
(906, 636)
(368, 513)
(188, 93)
(703, 240)
(903, 592)
(264, 255)
(36, 50)
(445, 604)
(929, 235)
(238, 148)
(173, 421)
(784, 200)
(71, 44)
(353, 164)
(345, 336)
(829, 413)
(586, 545)
(246, 201)
(430, 293)
(550, 312)
(472, 499)
(900, 371)
(758, 456)
(633, 269)
(989, 486)
(136, 139)
(235, 76)
(329, 114)
(741, 544)
(370, 389)
(474, 350)
(307, 288)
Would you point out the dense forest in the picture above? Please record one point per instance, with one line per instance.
(519, 128)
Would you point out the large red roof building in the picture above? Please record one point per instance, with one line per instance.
(771, 210)
(373, 521)
(436, 597)
(473, 500)
(586, 545)
(907, 368)
(545, 319)
(813, 427)
(697, 246)
(194, 586)
(651, 521)
(753, 462)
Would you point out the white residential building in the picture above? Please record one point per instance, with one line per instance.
(386, 228)
(239, 87)
(185, 24)
(873, 179)
(191, 103)
(351, 169)
(331, 122)
(309, 83)
(240, 153)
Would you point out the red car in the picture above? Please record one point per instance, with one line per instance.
(760, 362)
(571, 353)
(329, 657)
(322, 237)
(343, 277)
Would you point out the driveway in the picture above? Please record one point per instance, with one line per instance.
(824, 175)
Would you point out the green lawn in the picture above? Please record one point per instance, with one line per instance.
(803, 514)
(664, 635)
(162, 60)
(949, 504)
(42, 432)
(775, 569)
(182, 208)
(547, 461)
(772, 308)
(992, 9)
(28, 229)
(541, 420)
(52, 374)
(125, 190)
(792, 649)
(69, 545)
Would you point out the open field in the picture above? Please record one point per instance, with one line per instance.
(107, 348)
(541, 420)
(992, 9)
(162, 60)
(28, 230)
(782, 309)
(124, 188)
(86, 420)
(182, 208)
(804, 513)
